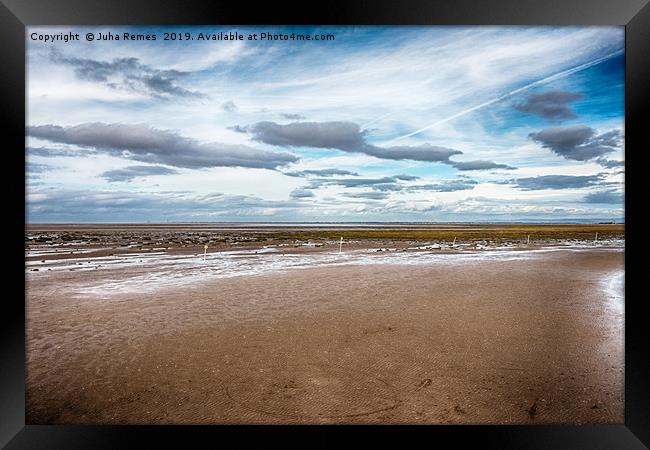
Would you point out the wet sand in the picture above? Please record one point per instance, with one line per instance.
(46, 242)
(495, 341)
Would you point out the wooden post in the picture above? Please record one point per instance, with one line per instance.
(528, 243)
(341, 244)
(205, 251)
(596, 237)
(454, 242)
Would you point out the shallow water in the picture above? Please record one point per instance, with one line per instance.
(151, 271)
(615, 289)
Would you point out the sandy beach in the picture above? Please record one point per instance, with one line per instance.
(324, 224)
(492, 337)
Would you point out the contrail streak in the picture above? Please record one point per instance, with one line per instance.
(548, 79)
(376, 120)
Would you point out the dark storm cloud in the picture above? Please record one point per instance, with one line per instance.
(131, 172)
(84, 205)
(128, 73)
(238, 129)
(348, 137)
(38, 168)
(229, 106)
(344, 136)
(445, 186)
(384, 183)
(367, 195)
(406, 177)
(552, 105)
(321, 173)
(423, 152)
(143, 143)
(301, 193)
(557, 182)
(610, 163)
(610, 196)
(293, 116)
(578, 142)
(387, 187)
(52, 152)
(340, 135)
(34, 171)
(391, 184)
(479, 165)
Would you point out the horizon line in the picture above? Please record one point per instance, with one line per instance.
(514, 222)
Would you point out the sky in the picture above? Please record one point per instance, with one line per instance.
(380, 123)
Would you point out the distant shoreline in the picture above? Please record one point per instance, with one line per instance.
(334, 223)
(213, 233)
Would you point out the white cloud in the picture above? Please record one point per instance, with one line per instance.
(393, 80)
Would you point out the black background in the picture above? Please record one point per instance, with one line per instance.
(16, 14)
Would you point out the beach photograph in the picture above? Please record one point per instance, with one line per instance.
(325, 225)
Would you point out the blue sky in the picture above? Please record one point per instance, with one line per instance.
(380, 124)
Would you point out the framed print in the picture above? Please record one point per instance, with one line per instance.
(415, 214)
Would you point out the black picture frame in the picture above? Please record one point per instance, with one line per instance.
(15, 15)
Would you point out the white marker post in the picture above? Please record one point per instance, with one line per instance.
(454, 242)
(596, 240)
(205, 251)
(528, 242)
(341, 244)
